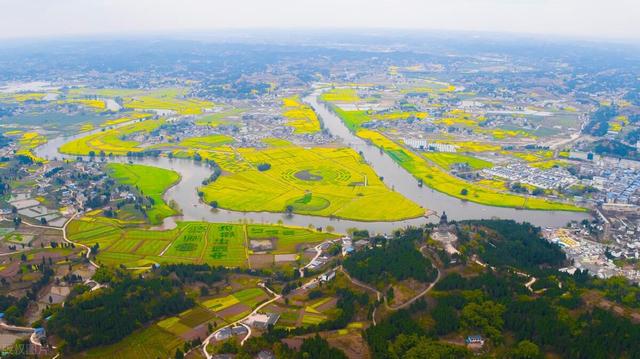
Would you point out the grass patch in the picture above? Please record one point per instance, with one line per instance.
(151, 182)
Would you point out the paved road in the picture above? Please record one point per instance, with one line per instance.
(206, 342)
(318, 249)
(64, 236)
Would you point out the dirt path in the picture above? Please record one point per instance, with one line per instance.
(421, 294)
(246, 245)
(379, 294)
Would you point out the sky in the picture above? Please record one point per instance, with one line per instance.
(596, 19)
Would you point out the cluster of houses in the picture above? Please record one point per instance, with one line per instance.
(553, 178)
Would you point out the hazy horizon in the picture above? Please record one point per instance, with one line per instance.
(598, 20)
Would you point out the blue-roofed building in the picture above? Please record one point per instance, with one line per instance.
(474, 340)
(40, 333)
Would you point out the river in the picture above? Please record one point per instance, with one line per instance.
(193, 173)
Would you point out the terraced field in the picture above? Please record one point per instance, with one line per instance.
(317, 181)
(249, 297)
(151, 181)
(150, 342)
(190, 242)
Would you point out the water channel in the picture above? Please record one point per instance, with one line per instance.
(193, 173)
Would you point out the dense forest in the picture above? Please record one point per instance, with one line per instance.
(90, 319)
(508, 243)
(397, 259)
(560, 314)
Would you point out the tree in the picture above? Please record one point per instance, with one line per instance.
(526, 350)
(390, 294)
(485, 317)
(264, 167)
(464, 192)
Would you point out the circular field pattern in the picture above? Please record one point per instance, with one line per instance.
(319, 175)
(307, 175)
(309, 203)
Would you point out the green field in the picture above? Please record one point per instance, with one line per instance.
(173, 99)
(317, 181)
(249, 297)
(190, 242)
(151, 182)
(207, 142)
(151, 342)
(352, 119)
(287, 239)
(186, 320)
(446, 183)
(447, 160)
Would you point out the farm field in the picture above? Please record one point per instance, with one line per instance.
(149, 342)
(28, 141)
(110, 141)
(447, 160)
(352, 119)
(340, 95)
(171, 99)
(317, 181)
(97, 105)
(444, 182)
(186, 321)
(151, 181)
(301, 116)
(224, 117)
(286, 238)
(130, 117)
(249, 297)
(218, 244)
(206, 143)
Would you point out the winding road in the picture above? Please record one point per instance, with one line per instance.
(206, 342)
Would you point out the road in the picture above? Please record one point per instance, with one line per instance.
(318, 249)
(206, 342)
(421, 294)
(379, 295)
(64, 236)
